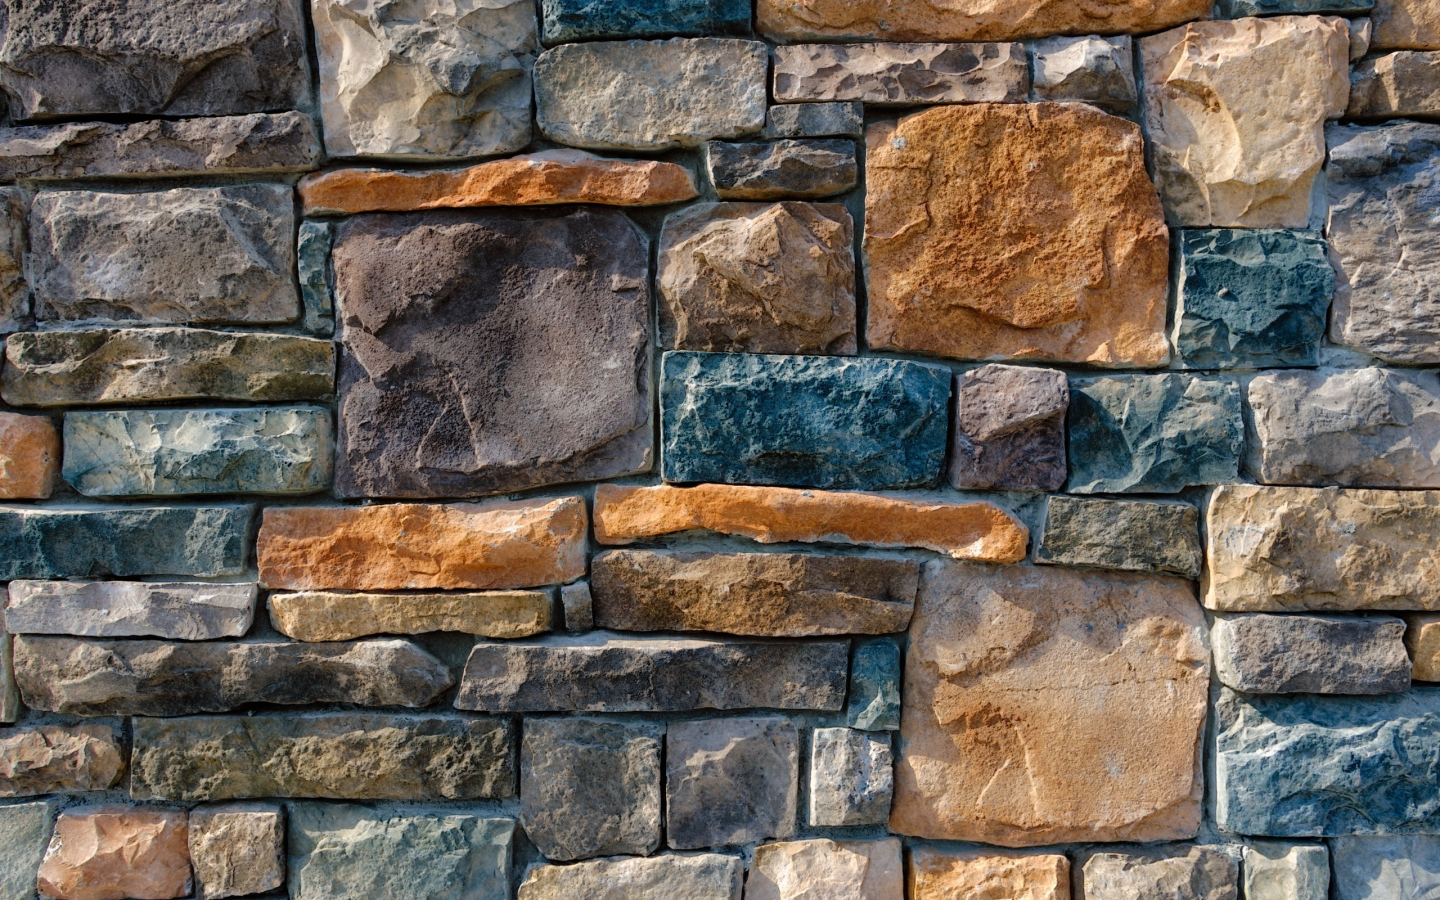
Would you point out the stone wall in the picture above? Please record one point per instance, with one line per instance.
(704, 450)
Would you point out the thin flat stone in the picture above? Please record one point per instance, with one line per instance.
(965, 20)
(564, 21)
(1236, 9)
(691, 876)
(1181, 873)
(50, 759)
(936, 873)
(181, 611)
(798, 120)
(335, 616)
(1132, 536)
(730, 781)
(822, 868)
(902, 74)
(780, 169)
(1295, 654)
(198, 541)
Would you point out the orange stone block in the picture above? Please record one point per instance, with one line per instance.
(29, 457)
(418, 546)
(974, 531)
(962, 875)
(118, 853)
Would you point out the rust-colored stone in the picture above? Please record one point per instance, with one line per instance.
(944, 875)
(29, 457)
(118, 852)
(968, 20)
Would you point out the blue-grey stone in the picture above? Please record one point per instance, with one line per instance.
(1235, 9)
(1129, 535)
(585, 20)
(1153, 433)
(312, 261)
(844, 118)
(1251, 298)
(1399, 867)
(1316, 766)
(24, 835)
(205, 541)
(804, 421)
(874, 701)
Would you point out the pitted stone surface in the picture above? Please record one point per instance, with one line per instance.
(345, 616)
(14, 292)
(874, 700)
(1276, 871)
(1406, 25)
(851, 777)
(1087, 69)
(692, 876)
(1422, 640)
(110, 852)
(579, 607)
(1294, 654)
(942, 875)
(1009, 431)
(24, 834)
(966, 20)
(827, 870)
(199, 541)
(798, 120)
(1406, 83)
(790, 168)
(564, 21)
(183, 611)
(1194, 873)
(1132, 536)
(730, 781)
(29, 457)
(902, 74)
(237, 850)
(1374, 868)
(47, 759)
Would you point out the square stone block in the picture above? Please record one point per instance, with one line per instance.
(730, 781)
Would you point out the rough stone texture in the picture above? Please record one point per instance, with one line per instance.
(181, 611)
(349, 851)
(1292, 654)
(47, 759)
(29, 457)
(860, 424)
(203, 542)
(756, 594)
(730, 781)
(1361, 32)
(1252, 298)
(961, 264)
(1087, 69)
(138, 453)
(24, 834)
(114, 852)
(1154, 433)
(651, 95)
(823, 869)
(427, 79)
(1120, 534)
(10, 708)
(332, 616)
(788, 168)
(851, 778)
(498, 545)
(945, 875)
(590, 788)
(340, 756)
(1406, 83)
(902, 74)
(758, 278)
(874, 700)
(1378, 868)
(797, 120)
(1406, 25)
(1382, 196)
(1361, 427)
(966, 20)
(1286, 871)
(157, 678)
(155, 57)
(558, 302)
(237, 850)
(1045, 705)
(14, 292)
(153, 365)
(579, 607)
(1235, 144)
(1422, 639)
(1198, 873)
(564, 21)
(978, 531)
(317, 282)
(1313, 766)
(1236, 9)
(1009, 430)
(701, 876)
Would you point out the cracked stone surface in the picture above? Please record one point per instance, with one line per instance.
(48, 759)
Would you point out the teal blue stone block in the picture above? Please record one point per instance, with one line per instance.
(874, 701)
(563, 21)
(312, 261)
(203, 541)
(1236, 9)
(803, 421)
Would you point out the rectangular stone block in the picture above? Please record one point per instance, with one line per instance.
(317, 282)
(1405, 867)
(237, 849)
(182, 611)
(1089, 69)
(199, 541)
(336, 616)
(1275, 871)
(873, 703)
(1406, 25)
(1180, 873)
(579, 607)
(1009, 429)
(1422, 639)
(14, 292)
(964, 20)
(859, 870)
(797, 120)
(669, 876)
(29, 457)
(780, 169)
(51, 759)
(940, 874)
(24, 834)
(1406, 83)
(565, 21)
(1293, 654)
(1132, 536)
(730, 781)
(892, 74)
(102, 852)
(1236, 9)
(851, 777)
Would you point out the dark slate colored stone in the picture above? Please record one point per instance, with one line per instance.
(1010, 429)
(317, 285)
(1235, 9)
(773, 171)
(803, 421)
(582, 20)
(794, 120)
(490, 351)
(1132, 536)
(205, 541)
(1294, 654)
(874, 702)
(730, 781)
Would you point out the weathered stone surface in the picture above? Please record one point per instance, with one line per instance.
(798, 120)
(579, 607)
(152, 365)
(697, 876)
(851, 777)
(333, 616)
(413, 546)
(651, 95)
(558, 300)
(1009, 430)
(237, 850)
(1087, 69)
(1406, 25)
(29, 457)
(1382, 196)
(113, 852)
(590, 788)
(874, 700)
(24, 834)
(425, 79)
(756, 594)
(47, 759)
(979, 531)
(1199, 873)
(157, 678)
(1422, 639)
(789, 168)
(564, 21)
(154, 57)
(1234, 144)
(1361, 32)
(14, 292)
(1286, 871)
(194, 611)
(1406, 83)
(204, 541)
(1236, 9)
(902, 74)
(1292, 654)
(1154, 433)
(1045, 705)
(758, 278)
(349, 851)
(730, 781)
(339, 756)
(959, 264)
(827, 870)
(861, 424)
(966, 20)
(10, 707)
(606, 672)
(317, 282)
(1132, 536)
(941, 875)
(1377, 868)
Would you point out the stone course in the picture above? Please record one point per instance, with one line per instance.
(564, 21)
(345, 616)
(1197, 873)
(1296, 654)
(200, 541)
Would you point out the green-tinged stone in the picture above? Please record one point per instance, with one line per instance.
(874, 703)
(1133, 536)
(24, 834)
(204, 541)
(564, 21)
(317, 284)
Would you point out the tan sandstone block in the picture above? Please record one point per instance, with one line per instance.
(420, 546)
(827, 870)
(334, 616)
(973, 874)
(976, 531)
(1406, 25)
(237, 849)
(49, 759)
(29, 457)
(117, 852)
(1046, 705)
(1422, 639)
(999, 231)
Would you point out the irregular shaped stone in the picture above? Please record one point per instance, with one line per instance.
(851, 778)
(799, 120)
(1047, 705)
(758, 278)
(1154, 433)
(49, 759)
(414, 546)
(10, 708)
(149, 452)
(193, 611)
(561, 392)
(1406, 83)
(979, 531)
(824, 869)
(1286, 871)
(757, 594)
(965, 20)
(873, 703)
(564, 21)
(651, 95)
(902, 74)
(939, 874)
(237, 850)
(862, 424)
(339, 756)
(773, 171)
(1373, 868)
(590, 788)
(24, 834)
(694, 876)
(155, 57)
(1422, 639)
(29, 457)
(350, 851)
(1252, 298)
(579, 607)
(962, 267)
(203, 542)
(606, 672)
(1200, 873)
(425, 79)
(1086, 69)
(1128, 535)
(730, 781)
(113, 852)
(154, 365)
(1361, 31)
(332, 616)
(14, 292)
(1292, 654)
(1234, 145)
(317, 282)
(1406, 25)
(157, 678)
(1009, 431)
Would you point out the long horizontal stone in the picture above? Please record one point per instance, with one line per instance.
(965, 20)
(607, 672)
(159, 678)
(199, 541)
(801, 120)
(334, 756)
(48, 759)
(780, 169)
(181, 611)
(693, 876)
(902, 74)
(1291, 654)
(1132, 536)
(1406, 83)
(334, 616)
(564, 21)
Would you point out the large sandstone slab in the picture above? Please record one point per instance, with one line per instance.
(1009, 429)
(823, 869)
(1131, 536)
(966, 20)
(1045, 705)
(1088, 69)
(730, 781)
(941, 874)
(960, 264)
(1372, 868)
(1295, 654)
(345, 616)
(1406, 83)
(693, 876)
(780, 169)
(182, 611)
(29, 457)
(199, 541)
(24, 834)
(109, 852)
(564, 21)
(491, 351)
(237, 850)
(851, 777)
(892, 74)
(49, 759)
(1197, 873)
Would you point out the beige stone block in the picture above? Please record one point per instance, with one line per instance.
(1422, 639)
(823, 869)
(237, 849)
(972, 874)
(1406, 25)
(48, 759)
(335, 616)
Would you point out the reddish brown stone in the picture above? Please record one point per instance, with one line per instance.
(29, 457)
(118, 852)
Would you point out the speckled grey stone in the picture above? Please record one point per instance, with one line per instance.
(730, 781)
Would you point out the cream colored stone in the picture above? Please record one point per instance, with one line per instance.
(1406, 25)
(1362, 32)
(1422, 639)
(968, 20)
(827, 870)
(237, 849)
(987, 875)
(334, 616)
